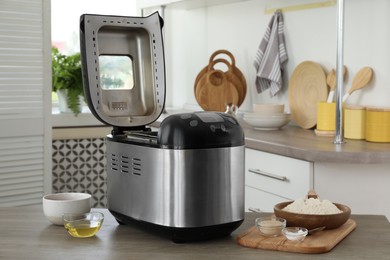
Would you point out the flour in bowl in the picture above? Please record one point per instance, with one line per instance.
(312, 206)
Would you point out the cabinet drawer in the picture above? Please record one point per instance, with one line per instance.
(276, 174)
(262, 200)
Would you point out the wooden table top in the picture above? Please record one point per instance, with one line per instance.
(25, 233)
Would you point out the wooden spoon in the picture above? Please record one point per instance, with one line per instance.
(361, 79)
(331, 81)
(312, 195)
(315, 230)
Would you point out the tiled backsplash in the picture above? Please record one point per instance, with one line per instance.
(79, 166)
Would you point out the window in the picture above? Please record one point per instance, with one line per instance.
(65, 16)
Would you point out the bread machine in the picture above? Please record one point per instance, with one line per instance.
(185, 180)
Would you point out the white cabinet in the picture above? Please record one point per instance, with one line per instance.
(259, 199)
(363, 187)
(271, 178)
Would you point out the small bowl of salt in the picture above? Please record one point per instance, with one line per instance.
(295, 234)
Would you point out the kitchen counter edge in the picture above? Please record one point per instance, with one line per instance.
(293, 141)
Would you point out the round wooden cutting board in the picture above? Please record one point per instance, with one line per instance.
(307, 87)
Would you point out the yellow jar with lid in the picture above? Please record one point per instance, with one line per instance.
(378, 124)
(355, 122)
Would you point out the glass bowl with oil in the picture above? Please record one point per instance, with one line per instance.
(83, 225)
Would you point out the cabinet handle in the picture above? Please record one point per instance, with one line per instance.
(270, 175)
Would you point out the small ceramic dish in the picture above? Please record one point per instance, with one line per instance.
(55, 205)
(83, 225)
(268, 108)
(296, 234)
(270, 226)
(266, 122)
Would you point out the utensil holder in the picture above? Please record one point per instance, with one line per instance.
(355, 122)
(326, 116)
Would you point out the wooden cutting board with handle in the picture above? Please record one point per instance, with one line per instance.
(216, 92)
(233, 74)
(229, 77)
(320, 242)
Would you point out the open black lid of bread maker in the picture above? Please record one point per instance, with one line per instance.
(124, 83)
(123, 68)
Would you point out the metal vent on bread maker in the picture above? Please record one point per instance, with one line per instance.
(114, 162)
(137, 166)
(125, 164)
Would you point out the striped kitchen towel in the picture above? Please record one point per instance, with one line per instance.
(270, 56)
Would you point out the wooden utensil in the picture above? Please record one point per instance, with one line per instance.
(331, 81)
(317, 243)
(234, 72)
(213, 95)
(311, 221)
(361, 79)
(230, 77)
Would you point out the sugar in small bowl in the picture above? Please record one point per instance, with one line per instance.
(270, 226)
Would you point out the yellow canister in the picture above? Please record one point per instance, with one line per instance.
(355, 122)
(378, 124)
(326, 116)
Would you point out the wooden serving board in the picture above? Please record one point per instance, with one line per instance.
(320, 242)
(307, 87)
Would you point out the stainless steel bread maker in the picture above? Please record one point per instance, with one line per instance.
(185, 180)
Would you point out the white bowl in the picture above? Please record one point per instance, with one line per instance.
(270, 122)
(261, 116)
(56, 205)
(268, 108)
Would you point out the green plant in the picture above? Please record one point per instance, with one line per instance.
(66, 75)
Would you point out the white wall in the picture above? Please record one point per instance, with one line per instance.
(192, 35)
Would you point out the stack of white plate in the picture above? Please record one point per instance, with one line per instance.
(267, 121)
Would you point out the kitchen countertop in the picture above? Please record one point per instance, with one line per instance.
(26, 234)
(293, 141)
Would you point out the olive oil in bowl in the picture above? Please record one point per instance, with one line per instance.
(85, 225)
(83, 228)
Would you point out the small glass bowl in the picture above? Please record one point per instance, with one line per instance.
(270, 226)
(296, 234)
(83, 225)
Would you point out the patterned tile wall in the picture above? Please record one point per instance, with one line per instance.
(79, 166)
